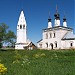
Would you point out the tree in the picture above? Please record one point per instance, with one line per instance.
(3, 31)
(5, 35)
(10, 38)
(0, 45)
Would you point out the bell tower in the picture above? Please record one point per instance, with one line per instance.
(21, 29)
(21, 40)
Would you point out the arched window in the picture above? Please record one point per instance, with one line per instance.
(50, 35)
(20, 26)
(46, 36)
(54, 35)
(71, 44)
(23, 26)
(46, 45)
(55, 44)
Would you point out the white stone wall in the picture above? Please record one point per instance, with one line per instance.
(50, 39)
(19, 46)
(67, 44)
(21, 36)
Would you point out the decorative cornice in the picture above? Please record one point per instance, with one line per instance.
(58, 27)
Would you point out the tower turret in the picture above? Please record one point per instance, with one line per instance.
(57, 18)
(64, 22)
(49, 22)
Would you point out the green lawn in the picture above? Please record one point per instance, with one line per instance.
(39, 62)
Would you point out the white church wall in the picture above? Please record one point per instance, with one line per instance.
(59, 34)
(74, 43)
(63, 44)
(68, 43)
(40, 45)
(19, 46)
(52, 36)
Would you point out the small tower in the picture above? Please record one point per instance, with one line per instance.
(49, 22)
(57, 18)
(64, 22)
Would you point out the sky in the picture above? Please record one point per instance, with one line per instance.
(36, 13)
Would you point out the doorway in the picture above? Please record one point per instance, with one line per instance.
(51, 46)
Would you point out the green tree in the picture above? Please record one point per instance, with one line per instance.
(3, 31)
(5, 35)
(10, 38)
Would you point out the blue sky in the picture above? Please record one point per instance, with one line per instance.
(36, 13)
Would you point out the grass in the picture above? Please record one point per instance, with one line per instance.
(38, 62)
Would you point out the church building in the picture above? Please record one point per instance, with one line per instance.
(22, 42)
(57, 37)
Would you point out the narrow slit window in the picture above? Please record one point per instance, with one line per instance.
(46, 45)
(56, 44)
(50, 35)
(46, 36)
(54, 35)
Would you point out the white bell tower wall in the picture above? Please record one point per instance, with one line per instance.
(21, 29)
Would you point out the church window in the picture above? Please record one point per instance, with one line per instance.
(50, 35)
(23, 26)
(54, 35)
(46, 45)
(20, 26)
(46, 36)
(71, 44)
(55, 44)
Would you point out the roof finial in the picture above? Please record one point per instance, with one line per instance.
(49, 19)
(49, 14)
(64, 15)
(56, 8)
(64, 19)
(21, 4)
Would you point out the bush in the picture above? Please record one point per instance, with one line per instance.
(3, 69)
